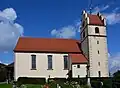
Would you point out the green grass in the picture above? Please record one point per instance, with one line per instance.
(33, 86)
(5, 86)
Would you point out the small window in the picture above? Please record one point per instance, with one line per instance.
(99, 73)
(83, 34)
(97, 42)
(96, 30)
(99, 63)
(98, 52)
(83, 24)
(78, 66)
(65, 62)
(33, 61)
(49, 61)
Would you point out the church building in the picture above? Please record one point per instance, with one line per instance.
(55, 58)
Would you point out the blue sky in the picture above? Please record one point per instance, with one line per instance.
(54, 18)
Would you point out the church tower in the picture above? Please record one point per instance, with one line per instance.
(94, 43)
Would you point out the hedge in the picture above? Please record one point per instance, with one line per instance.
(28, 80)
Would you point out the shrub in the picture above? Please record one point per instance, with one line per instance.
(58, 80)
(26, 80)
(96, 82)
(81, 81)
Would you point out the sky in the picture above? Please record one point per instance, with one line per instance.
(55, 19)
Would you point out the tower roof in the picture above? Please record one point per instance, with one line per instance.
(95, 20)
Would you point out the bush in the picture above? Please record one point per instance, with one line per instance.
(26, 80)
(52, 84)
(96, 82)
(84, 86)
(81, 81)
(60, 80)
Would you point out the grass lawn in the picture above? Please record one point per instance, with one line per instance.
(5, 86)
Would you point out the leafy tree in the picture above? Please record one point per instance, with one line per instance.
(117, 74)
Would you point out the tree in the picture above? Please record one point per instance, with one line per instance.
(116, 76)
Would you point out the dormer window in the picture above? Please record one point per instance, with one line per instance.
(96, 30)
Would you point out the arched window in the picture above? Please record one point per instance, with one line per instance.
(96, 30)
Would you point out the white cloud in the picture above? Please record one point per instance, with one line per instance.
(65, 32)
(3, 63)
(9, 31)
(69, 31)
(100, 9)
(9, 13)
(112, 17)
(114, 63)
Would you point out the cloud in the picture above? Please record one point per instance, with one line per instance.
(9, 13)
(69, 31)
(100, 9)
(3, 63)
(112, 17)
(64, 32)
(9, 30)
(114, 62)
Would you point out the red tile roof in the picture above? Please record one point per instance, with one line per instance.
(26, 44)
(95, 20)
(78, 58)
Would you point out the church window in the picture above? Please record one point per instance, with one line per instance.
(96, 30)
(65, 62)
(49, 61)
(33, 61)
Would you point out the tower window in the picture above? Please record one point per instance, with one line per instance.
(83, 34)
(99, 73)
(99, 63)
(83, 24)
(78, 66)
(96, 30)
(97, 42)
(98, 52)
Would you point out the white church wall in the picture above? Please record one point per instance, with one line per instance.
(23, 65)
(81, 72)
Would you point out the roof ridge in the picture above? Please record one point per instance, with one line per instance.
(47, 38)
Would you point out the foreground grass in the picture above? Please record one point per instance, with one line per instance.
(5, 86)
